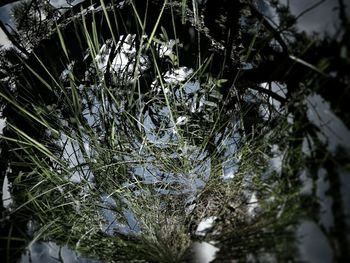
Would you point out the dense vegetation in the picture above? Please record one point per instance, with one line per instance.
(130, 123)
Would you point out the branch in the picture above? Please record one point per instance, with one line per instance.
(13, 39)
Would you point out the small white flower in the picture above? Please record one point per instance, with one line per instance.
(181, 120)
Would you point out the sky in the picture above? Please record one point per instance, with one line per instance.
(322, 18)
(4, 16)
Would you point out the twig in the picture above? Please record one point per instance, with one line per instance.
(309, 9)
(269, 93)
(269, 27)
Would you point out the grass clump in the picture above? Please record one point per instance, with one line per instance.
(137, 141)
